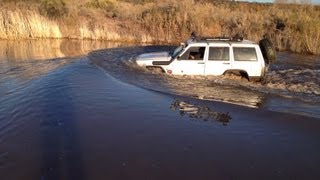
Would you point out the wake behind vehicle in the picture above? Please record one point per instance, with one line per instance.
(213, 56)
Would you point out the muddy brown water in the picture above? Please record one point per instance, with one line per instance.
(84, 110)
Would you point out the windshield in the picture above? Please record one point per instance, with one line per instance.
(177, 51)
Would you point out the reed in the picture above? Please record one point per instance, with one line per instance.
(290, 26)
(22, 24)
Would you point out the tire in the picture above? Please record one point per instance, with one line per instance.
(255, 79)
(268, 51)
(155, 69)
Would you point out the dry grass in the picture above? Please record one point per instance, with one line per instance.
(169, 21)
(19, 24)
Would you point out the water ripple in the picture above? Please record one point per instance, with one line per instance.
(301, 84)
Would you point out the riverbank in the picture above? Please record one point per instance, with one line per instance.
(290, 27)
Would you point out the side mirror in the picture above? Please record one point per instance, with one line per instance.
(178, 58)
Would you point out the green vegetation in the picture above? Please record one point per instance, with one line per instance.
(293, 27)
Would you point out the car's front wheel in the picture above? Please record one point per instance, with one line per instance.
(155, 69)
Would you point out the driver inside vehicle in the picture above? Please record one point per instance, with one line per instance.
(197, 55)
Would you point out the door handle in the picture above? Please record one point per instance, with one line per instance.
(226, 63)
(200, 62)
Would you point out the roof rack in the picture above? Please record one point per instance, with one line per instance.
(222, 38)
(195, 38)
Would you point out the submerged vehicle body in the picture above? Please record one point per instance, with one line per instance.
(213, 56)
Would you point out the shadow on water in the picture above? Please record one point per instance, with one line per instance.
(62, 156)
(198, 112)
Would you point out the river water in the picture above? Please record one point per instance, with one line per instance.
(84, 110)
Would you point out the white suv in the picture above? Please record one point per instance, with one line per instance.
(213, 56)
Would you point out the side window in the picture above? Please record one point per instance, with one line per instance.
(244, 54)
(218, 54)
(193, 53)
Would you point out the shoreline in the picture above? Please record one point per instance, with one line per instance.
(290, 27)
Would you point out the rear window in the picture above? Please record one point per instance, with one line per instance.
(244, 54)
(219, 54)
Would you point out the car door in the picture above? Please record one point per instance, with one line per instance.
(191, 61)
(218, 60)
(245, 58)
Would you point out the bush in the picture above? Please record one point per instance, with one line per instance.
(106, 5)
(53, 8)
(100, 4)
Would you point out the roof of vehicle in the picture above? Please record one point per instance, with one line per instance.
(227, 40)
